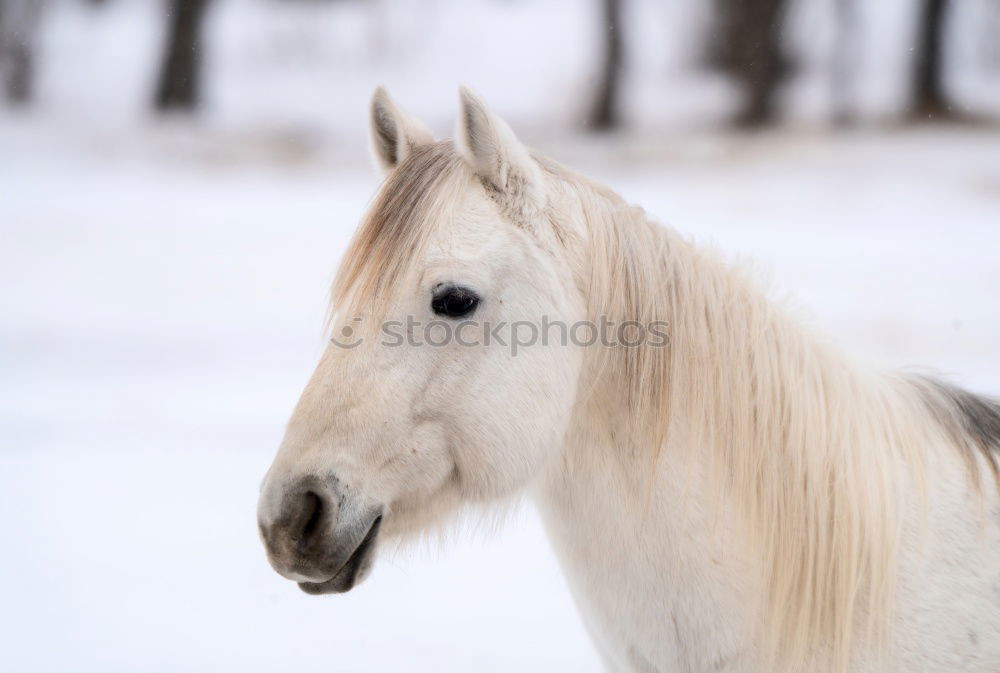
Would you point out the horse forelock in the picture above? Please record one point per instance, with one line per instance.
(413, 201)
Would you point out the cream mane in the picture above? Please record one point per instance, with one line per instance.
(815, 449)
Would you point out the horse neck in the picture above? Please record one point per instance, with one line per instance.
(633, 536)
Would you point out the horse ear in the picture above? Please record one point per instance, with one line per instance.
(395, 134)
(495, 154)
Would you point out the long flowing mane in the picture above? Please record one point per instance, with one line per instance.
(812, 448)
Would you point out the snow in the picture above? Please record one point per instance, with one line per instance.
(164, 285)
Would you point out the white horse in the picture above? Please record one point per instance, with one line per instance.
(736, 497)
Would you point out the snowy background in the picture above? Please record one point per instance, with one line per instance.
(163, 283)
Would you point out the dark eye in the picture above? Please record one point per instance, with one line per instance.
(454, 301)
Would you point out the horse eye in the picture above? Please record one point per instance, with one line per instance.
(454, 301)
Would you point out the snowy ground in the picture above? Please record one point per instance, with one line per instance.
(162, 296)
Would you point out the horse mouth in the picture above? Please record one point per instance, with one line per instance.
(353, 571)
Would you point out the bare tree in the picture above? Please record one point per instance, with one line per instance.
(179, 85)
(18, 31)
(929, 100)
(605, 113)
(717, 53)
(745, 43)
(845, 52)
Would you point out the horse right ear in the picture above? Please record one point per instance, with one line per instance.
(395, 134)
(496, 156)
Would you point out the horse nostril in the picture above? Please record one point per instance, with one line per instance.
(311, 516)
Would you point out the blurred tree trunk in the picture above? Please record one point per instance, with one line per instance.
(605, 113)
(179, 85)
(717, 54)
(745, 44)
(845, 51)
(18, 30)
(929, 100)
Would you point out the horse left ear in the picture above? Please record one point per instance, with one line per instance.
(495, 154)
(395, 134)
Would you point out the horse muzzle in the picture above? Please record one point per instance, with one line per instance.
(317, 534)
